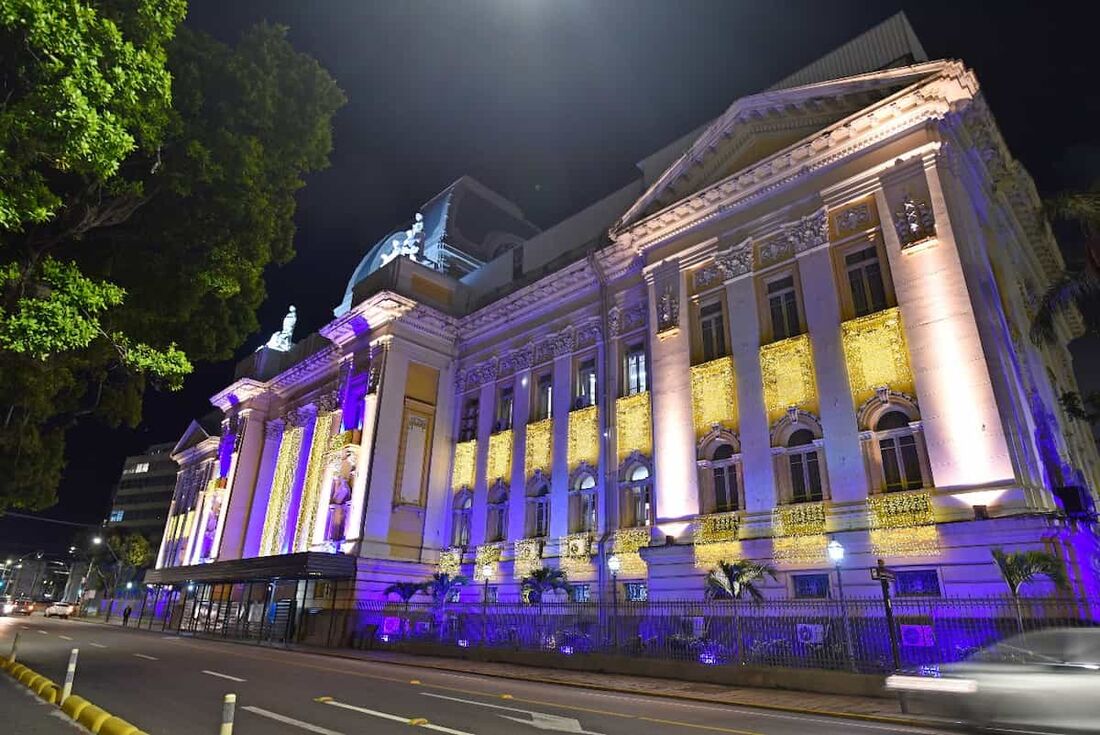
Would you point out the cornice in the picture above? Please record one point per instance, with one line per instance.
(239, 391)
(929, 99)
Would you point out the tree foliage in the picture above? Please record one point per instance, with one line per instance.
(543, 581)
(732, 580)
(1020, 567)
(1078, 288)
(147, 179)
(405, 590)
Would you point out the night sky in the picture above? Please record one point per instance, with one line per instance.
(550, 103)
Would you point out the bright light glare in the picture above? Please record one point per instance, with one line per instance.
(932, 684)
(97, 540)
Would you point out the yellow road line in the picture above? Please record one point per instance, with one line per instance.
(715, 728)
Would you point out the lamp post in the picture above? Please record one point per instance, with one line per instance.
(486, 572)
(98, 540)
(835, 550)
(614, 564)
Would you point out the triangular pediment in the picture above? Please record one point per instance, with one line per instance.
(759, 126)
(192, 437)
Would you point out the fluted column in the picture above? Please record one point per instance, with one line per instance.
(265, 473)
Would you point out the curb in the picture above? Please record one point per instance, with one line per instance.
(884, 719)
(78, 709)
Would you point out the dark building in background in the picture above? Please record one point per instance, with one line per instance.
(144, 493)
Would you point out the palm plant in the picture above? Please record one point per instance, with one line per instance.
(1020, 567)
(442, 587)
(543, 581)
(406, 591)
(732, 580)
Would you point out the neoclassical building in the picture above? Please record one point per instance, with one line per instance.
(805, 321)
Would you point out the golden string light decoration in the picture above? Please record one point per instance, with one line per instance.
(707, 556)
(625, 544)
(311, 489)
(714, 395)
(450, 561)
(632, 426)
(876, 354)
(538, 453)
(575, 553)
(903, 524)
(902, 542)
(486, 555)
(465, 469)
(799, 549)
(499, 465)
(584, 437)
(787, 371)
(282, 483)
(527, 557)
(799, 519)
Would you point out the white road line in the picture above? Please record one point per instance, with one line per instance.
(290, 721)
(147, 658)
(43, 632)
(539, 720)
(97, 645)
(394, 718)
(223, 676)
(64, 637)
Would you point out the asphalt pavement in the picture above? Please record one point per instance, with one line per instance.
(168, 685)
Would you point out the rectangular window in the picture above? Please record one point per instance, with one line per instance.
(783, 307)
(712, 328)
(544, 397)
(491, 594)
(805, 477)
(467, 428)
(542, 518)
(917, 583)
(505, 401)
(865, 281)
(117, 515)
(635, 369)
(586, 384)
(579, 593)
(811, 586)
(636, 591)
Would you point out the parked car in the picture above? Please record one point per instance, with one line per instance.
(60, 610)
(1047, 681)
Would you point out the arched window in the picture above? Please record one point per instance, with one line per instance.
(497, 517)
(897, 444)
(637, 494)
(538, 510)
(582, 504)
(724, 472)
(804, 467)
(460, 519)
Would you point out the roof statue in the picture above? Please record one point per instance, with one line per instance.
(412, 246)
(283, 339)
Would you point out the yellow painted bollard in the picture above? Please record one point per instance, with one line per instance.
(70, 673)
(14, 649)
(228, 706)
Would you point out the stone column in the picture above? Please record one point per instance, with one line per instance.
(438, 510)
(962, 426)
(356, 520)
(241, 483)
(753, 428)
(383, 458)
(486, 405)
(559, 475)
(517, 492)
(294, 508)
(675, 478)
(843, 458)
(257, 510)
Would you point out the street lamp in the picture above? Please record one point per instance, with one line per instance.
(835, 551)
(614, 564)
(486, 572)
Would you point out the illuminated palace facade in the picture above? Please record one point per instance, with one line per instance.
(805, 321)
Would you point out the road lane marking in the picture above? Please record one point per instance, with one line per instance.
(539, 720)
(64, 637)
(43, 632)
(147, 658)
(97, 645)
(415, 721)
(223, 676)
(290, 721)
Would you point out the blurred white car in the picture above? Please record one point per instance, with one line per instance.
(1048, 682)
(59, 610)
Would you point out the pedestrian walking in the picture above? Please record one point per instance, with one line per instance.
(126, 615)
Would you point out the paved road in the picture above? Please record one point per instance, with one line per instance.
(168, 685)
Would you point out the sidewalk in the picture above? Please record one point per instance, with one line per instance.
(777, 699)
(26, 714)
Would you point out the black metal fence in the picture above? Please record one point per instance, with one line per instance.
(851, 635)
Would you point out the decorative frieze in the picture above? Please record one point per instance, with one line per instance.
(576, 552)
(586, 335)
(853, 219)
(876, 354)
(914, 221)
(632, 426)
(787, 370)
(500, 457)
(714, 395)
(516, 361)
(465, 467)
(538, 452)
(527, 557)
(584, 437)
(736, 261)
(626, 318)
(809, 232)
(774, 249)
